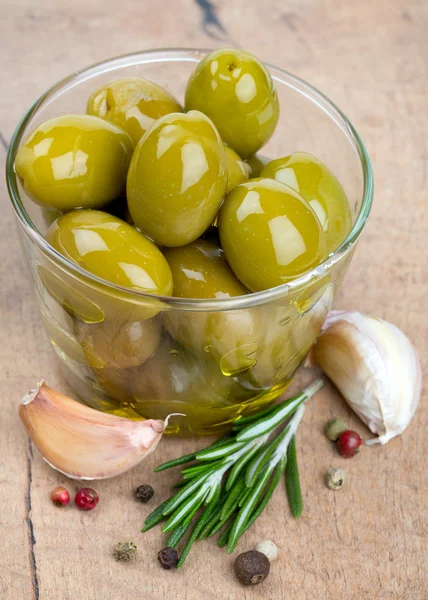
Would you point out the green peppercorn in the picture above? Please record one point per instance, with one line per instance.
(124, 551)
(334, 428)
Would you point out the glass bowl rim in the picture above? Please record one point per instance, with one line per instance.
(204, 304)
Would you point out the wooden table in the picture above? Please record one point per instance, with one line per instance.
(370, 540)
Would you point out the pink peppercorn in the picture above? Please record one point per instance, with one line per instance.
(60, 496)
(86, 499)
(348, 443)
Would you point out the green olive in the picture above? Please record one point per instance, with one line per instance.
(132, 104)
(173, 380)
(107, 390)
(106, 403)
(235, 90)
(237, 170)
(61, 335)
(177, 179)
(111, 249)
(275, 350)
(200, 270)
(257, 164)
(318, 186)
(289, 335)
(50, 215)
(114, 251)
(269, 234)
(78, 297)
(119, 344)
(74, 161)
(119, 208)
(116, 383)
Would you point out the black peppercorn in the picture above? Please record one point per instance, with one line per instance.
(252, 567)
(144, 492)
(168, 558)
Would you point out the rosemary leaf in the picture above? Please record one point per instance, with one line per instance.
(196, 470)
(263, 457)
(213, 494)
(232, 509)
(279, 471)
(177, 461)
(292, 480)
(180, 484)
(215, 513)
(278, 415)
(205, 531)
(189, 457)
(244, 496)
(264, 501)
(262, 504)
(216, 453)
(184, 509)
(177, 534)
(184, 493)
(222, 540)
(234, 493)
(247, 508)
(195, 533)
(221, 524)
(155, 517)
(240, 464)
(180, 531)
(192, 472)
(244, 421)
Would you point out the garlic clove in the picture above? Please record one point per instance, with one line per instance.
(84, 443)
(376, 368)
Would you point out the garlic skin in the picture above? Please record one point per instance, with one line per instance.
(375, 367)
(84, 443)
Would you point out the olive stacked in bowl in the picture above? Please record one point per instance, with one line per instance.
(173, 202)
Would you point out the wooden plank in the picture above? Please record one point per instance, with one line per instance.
(369, 541)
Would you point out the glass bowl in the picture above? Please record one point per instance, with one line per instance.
(256, 341)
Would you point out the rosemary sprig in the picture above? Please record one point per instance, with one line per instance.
(292, 480)
(228, 485)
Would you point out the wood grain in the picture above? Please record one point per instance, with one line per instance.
(369, 541)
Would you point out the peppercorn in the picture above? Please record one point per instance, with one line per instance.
(60, 496)
(252, 567)
(334, 428)
(125, 551)
(269, 549)
(168, 558)
(86, 499)
(335, 479)
(144, 492)
(349, 443)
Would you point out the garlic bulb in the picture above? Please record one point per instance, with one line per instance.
(375, 367)
(84, 443)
